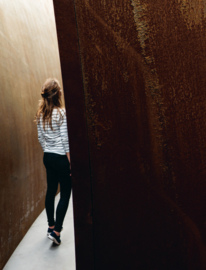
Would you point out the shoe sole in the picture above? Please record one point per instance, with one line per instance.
(54, 240)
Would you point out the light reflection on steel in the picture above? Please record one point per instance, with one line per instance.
(28, 55)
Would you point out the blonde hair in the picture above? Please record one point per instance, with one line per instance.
(51, 98)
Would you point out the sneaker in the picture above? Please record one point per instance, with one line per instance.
(51, 230)
(55, 238)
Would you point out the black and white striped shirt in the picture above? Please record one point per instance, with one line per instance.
(56, 140)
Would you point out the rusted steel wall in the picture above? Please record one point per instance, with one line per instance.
(28, 55)
(143, 67)
(78, 137)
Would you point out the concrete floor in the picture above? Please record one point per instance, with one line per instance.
(36, 251)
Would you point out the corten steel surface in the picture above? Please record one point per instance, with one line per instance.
(144, 69)
(75, 104)
(28, 55)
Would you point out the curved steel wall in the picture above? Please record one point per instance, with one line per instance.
(143, 64)
(28, 55)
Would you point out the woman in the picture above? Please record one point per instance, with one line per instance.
(52, 135)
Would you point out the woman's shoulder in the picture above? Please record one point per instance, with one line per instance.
(56, 110)
(62, 111)
(58, 113)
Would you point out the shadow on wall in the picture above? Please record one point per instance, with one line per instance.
(28, 55)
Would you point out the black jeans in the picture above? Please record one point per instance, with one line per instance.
(58, 171)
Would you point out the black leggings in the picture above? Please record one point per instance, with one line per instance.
(58, 171)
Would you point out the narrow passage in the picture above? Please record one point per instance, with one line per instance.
(36, 251)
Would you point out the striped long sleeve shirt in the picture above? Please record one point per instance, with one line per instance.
(56, 140)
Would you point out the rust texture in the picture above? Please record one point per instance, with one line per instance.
(144, 80)
(77, 128)
(28, 55)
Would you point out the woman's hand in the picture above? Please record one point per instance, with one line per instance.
(68, 156)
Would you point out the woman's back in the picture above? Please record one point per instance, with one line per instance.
(55, 139)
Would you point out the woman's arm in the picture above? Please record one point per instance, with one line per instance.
(41, 137)
(68, 156)
(64, 137)
(64, 134)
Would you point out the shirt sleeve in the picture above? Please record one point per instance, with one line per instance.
(64, 133)
(41, 137)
